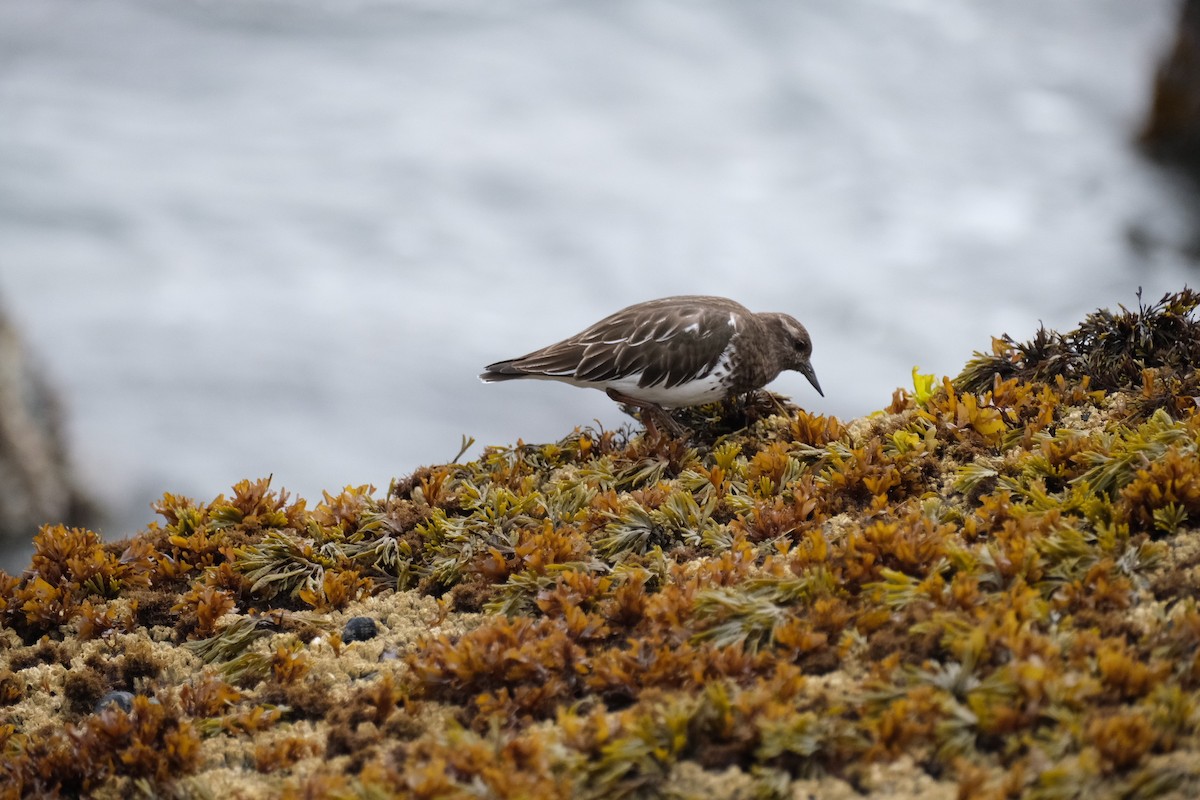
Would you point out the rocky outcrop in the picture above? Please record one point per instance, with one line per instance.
(1171, 132)
(36, 486)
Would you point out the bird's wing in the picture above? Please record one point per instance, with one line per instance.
(631, 342)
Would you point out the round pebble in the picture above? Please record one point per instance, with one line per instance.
(359, 629)
(120, 699)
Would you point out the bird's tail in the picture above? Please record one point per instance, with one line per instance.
(501, 371)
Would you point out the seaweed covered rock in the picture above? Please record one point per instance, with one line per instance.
(1152, 352)
(987, 590)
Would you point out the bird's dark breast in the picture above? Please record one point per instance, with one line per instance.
(748, 369)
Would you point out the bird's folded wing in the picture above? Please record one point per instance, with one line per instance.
(666, 347)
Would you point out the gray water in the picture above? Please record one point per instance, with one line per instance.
(255, 237)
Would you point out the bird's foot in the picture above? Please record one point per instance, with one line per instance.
(653, 418)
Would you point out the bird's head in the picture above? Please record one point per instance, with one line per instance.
(793, 346)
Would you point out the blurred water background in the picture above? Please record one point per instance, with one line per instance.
(253, 237)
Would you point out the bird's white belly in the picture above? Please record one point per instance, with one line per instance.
(707, 389)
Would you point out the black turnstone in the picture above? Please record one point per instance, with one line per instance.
(671, 353)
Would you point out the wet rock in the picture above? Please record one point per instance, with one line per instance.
(359, 629)
(120, 699)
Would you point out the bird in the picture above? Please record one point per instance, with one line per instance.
(673, 352)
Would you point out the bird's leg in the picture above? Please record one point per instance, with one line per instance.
(650, 413)
(780, 408)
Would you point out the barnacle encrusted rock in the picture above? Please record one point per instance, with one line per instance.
(987, 590)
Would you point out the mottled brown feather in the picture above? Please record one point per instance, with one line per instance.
(697, 327)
